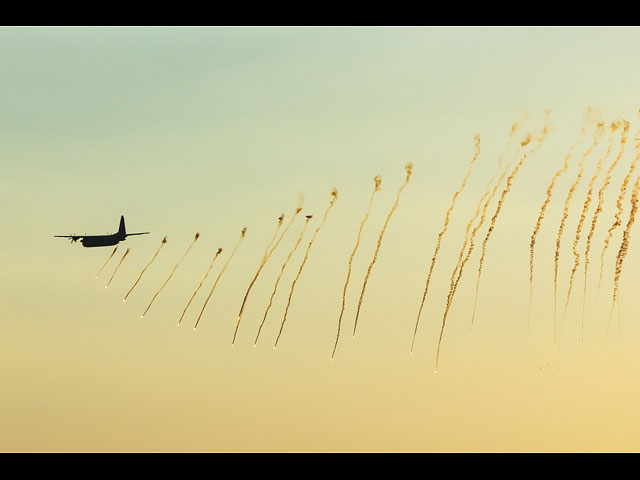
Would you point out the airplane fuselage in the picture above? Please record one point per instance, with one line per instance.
(101, 240)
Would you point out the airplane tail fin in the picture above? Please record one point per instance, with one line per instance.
(123, 232)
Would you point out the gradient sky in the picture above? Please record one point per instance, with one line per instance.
(186, 130)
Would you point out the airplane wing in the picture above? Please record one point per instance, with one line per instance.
(142, 233)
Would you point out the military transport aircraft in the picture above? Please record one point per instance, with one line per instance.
(102, 240)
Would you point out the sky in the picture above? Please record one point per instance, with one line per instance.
(208, 130)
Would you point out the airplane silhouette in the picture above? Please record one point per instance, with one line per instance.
(102, 240)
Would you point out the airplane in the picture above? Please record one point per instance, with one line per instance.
(102, 240)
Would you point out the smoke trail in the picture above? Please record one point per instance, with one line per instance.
(334, 197)
(164, 240)
(565, 215)
(585, 208)
(455, 280)
(280, 219)
(598, 210)
(377, 181)
(265, 258)
(409, 169)
(213, 261)
(487, 196)
(514, 172)
(284, 265)
(105, 263)
(120, 263)
(624, 246)
(170, 275)
(443, 231)
(262, 262)
(242, 234)
(617, 222)
(536, 229)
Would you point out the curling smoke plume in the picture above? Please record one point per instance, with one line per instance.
(565, 215)
(514, 172)
(164, 240)
(171, 274)
(377, 181)
(284, 266)
(213, 261)
(617, 221)
(267, 254)
(460, 269)
(443, 231)
(117, 267)
(105, 263)
(598, 210)
(235, 249)
(624, 245)
(334, 197)
(583, 215)
(536, 229)
(409, 169)
(481, 210)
